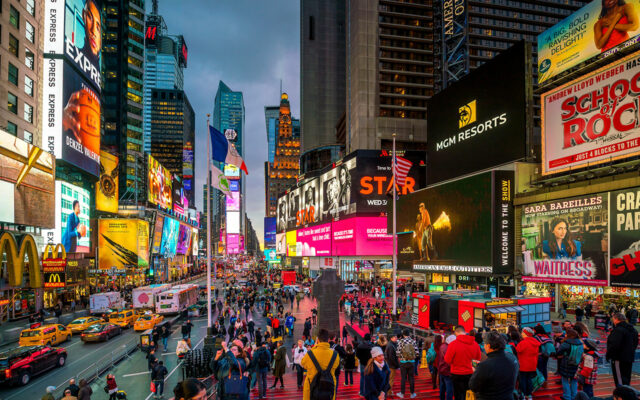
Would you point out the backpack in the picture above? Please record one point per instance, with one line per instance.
(322, 386)
(431, 355)
(408, 352)
(263, 359)
(547, 348)
(575, 355)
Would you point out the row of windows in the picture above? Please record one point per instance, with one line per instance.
(13, 78)
(420, 23)
(13, 129)
(406, 44)
(12, 106)
(420, 80)
(535, 6)
(424, 11)
(506, 24)
(408, 33)
(400, 102)
(503, 34)
(421, 69)
(402, 114)
(406, 55)
(514, 14)
(400, 90)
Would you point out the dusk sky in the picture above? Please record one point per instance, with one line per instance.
(250, 45)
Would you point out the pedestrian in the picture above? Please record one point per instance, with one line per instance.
(68, 396)
(49, 394)
(527, 352)
(85, 391)
(376, 376)
(444, 370)
(588, 309)
(262, 358)
(587, 374)
(495, 377)
(569, 355)
(190, 389)
(298, 353)
(112, 386)
(158, 376)
(319, 360)
(186, 329)
(230, 363)
(165, 333)
(621, 346)
(563, 310)
(349, 365)
(251, 329)
(280, 365)
(151, 359)
(460, 355)
(363, 354)
(407, 352)
(579, 313)
(391, 357)
(547, 349)
(73, 387)
(432, 363)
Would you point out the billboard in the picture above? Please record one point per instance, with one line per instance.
(310, 198)
(565, 241)
(337, 199)
(184, 239)
(157, 234)
(231, 172)
(271, 257)
(27, 183)
(72, 216)
(281, 243)
(179, 198)
(233, 243)
(170, 233)
(270, 232)
(624, 248)
(585, 34)
(593, 119)
(234, 186)
(107, 187)
(194, 242)
(233, 201)
(159, 182)
(81, 44)
(361, 236)
(314, 240)
(71, 129)
(233, 222)
(484, 110)
(292, 250)
(123, 243)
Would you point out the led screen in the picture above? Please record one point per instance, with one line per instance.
(123, 243)
(159, 182)
(72, 216)
(233, 201)
(170, 233)
(315, 240)
(233, 222)
(184, 239)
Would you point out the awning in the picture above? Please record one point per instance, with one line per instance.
(504, 310)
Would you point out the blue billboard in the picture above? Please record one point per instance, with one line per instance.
(170, 233)
(270, 232)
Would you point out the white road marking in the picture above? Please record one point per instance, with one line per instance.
(136, 374)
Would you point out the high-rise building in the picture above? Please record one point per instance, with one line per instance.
(21, 66)
(271, 114)
(123, 59)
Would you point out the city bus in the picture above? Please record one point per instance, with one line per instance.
(144, 297)
(176, 299)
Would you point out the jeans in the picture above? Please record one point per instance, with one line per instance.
(159, 387)
(300, 373)
(526, 382)
(446, 388)
(460, 386)
(164, 342)
(588, 389)
(348, 377)
(361, 380)
(406, 374)
(569, 388)
(261, 377)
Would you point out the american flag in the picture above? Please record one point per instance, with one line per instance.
(402, 169)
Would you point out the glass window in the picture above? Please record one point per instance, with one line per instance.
(31, 7)
(29, 58)
(13, 74)
(28, 136)
(13, 45)
(14, 17)
(28, 113)
(28, 85)
(12, 103)
(12, 128)
(30, 32)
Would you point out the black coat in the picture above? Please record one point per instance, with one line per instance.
(363, 352)
(494, 378)
(390, 355)
(622, 343)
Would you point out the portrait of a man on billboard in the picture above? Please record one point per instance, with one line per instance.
(74, 229)
(83, 37)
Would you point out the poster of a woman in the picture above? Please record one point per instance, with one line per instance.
(616, 20)
(560, 243)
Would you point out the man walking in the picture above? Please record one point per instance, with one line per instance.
(298, 353)
(460, 354)
(621, 347)
(391, 357)
(263, 361)
(320, 358)
(186, 329)
(165, 337)
(407, 352)
(157, 376)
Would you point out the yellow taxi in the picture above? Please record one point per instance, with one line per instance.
(124, 319)
(80, 324)
(49, 335)
(147, 321)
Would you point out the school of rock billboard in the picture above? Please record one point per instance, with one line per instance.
(593, 119)
(624, 248)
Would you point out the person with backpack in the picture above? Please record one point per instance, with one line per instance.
(186, 329)
(569, 355)
(231, 362)
(262, 359)
(460, 355)
(376, 376)
(587, 374)
(621, 346)
(321, 363)
(289, 323)
(444, 370)
(391, 357)
(407, 352)
(431, 359)
(547, 349)
(527, 351)
(280, 365)
(298, 354)
(349, 365)
(335, 345)
(363, 354)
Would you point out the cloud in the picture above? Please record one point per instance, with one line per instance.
(250, 45)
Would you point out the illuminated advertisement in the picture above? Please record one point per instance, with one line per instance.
(233, 222)
(234, 186)
(71, 127)
(231, 171)
(233, 243)
(170, 233)
(82, 41)
(184, 239)
(123, 243)
(362, 236)
(271, 257)
(194, 242)
(159, 181)
(72, 216)
(337, 200)
(314, 240)
(187, 160)
(24, 183)
(624, 248)
(178, 197)
(157, 234)
(585, 34)
(233, 201)
(291, 244)
(270, 232)
(281, 243)
(565, 241)
(107, 187)
(593, 119)
(310, 196)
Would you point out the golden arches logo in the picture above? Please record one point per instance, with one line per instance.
(53, 251)
(16, 250)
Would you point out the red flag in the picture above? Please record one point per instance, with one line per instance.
(402, 170)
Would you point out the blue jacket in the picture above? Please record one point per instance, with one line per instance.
(221, 369)
(71, 231)
(376, 382)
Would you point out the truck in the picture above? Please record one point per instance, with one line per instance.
(144, 297)
(100, 303)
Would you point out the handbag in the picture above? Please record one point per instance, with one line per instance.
(236, 384)
(152, 387)
(470, 395)
(537, 381)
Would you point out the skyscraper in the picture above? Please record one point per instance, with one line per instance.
(271, 114)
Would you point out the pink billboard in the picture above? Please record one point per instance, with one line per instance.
(362, 236)
(315, 240)
(233, 243)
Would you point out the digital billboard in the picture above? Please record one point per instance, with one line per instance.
(233, 222)
(308, 212)
(336, 199)
(184, 239)
(231, 171)
(159, 182)
(233, 201)
(292, 250)
(194, 242)
(234, 186)
(233, 243)
(81, 43)
(314, 240)
(107, 186)
(71, 126)
(170, 233)
(593, 119)
(72, 216)
(157, 234)
(585, 34)
(123, 243)
(27, 178)
(487, 109)
(624, 248)
(565, 241)
(269, 232)
(281, 243)
(361, 236)
(270, 256)
(179, 198)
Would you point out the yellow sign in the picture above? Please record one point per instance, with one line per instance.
(502, 302)
(467, 114)
(15, 251)
(107, 187)
(54, 280)
(52, 252)
(466, 315)
(123, 243)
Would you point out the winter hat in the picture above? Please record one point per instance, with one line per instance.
(528, 331)
(376, 351)
(539, 330)
(51, 389)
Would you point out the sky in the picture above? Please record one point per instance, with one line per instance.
(250, 45)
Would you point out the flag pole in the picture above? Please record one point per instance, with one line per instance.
(395, 257)
(208, 227)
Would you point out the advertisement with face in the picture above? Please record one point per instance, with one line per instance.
(231, 172)
(315, 240)
(123, 243)
(282, 214)
(293, 207)
(170, 233)
(107, 186)
(36, 186)
(184, 239)
(593, 119)
(269, 232)
(599, 29)
(337, 199)
(159, 181)
(157, 234)
(281, 243)
(270, 256)
(565, 241)
(308, 213)
(75, 210)
(82, 41)
(624, 249)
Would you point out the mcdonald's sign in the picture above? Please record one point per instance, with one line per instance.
(52, 252)
(54, 260)
(54, 280)
(16, 247)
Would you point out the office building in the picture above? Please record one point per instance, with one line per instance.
(271, 116)
(21, 68)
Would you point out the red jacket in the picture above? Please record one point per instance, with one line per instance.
(460, 353)
(527, 351)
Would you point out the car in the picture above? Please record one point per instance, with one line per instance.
(19, 364)
(351, 288)
(124, 319)
(80, 324)
(50, 335)
(148, 321)
(100, 332)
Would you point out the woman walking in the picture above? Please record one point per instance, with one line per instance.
(376, 376)
(527, 351)
(349, 365)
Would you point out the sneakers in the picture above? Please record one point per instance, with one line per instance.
(400, 395)
(414, 395)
